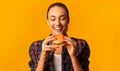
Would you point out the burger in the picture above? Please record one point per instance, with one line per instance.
(59, 40)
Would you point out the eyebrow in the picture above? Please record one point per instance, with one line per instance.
(62, 15)
(54, 16)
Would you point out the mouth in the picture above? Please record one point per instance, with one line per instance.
(58, 29)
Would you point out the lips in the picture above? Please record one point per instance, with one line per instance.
(58, 29)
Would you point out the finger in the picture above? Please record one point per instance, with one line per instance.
(51, 39)
(48, 39)
(50, 48)
(69, 41)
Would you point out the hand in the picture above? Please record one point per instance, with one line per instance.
(46, 48)
(70, 45)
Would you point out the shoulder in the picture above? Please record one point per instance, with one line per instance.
(80, 41)
(83, 53)
(82, 45)
(36, 45)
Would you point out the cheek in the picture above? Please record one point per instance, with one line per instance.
(50, 23)
(65, 24)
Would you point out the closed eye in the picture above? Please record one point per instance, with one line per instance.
(63, 17)
(52, 18)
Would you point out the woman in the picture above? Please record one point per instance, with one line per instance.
(73, 56)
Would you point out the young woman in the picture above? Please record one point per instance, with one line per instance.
(73, 56)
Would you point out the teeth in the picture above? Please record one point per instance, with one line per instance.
(57, 28)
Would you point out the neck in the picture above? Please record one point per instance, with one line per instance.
(58, 51)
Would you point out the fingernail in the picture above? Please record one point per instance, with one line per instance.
(53, 35)
(62, 37)
(55, 38)
(66, 44)
(57, 47)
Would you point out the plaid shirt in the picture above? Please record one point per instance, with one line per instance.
(82, 53)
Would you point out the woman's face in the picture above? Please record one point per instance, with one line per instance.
(58, 20)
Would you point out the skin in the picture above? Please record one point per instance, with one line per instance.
(58, 23)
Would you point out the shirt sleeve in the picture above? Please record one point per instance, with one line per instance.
(34, 53)
(84, 54)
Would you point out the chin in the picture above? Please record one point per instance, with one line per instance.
(57, 32)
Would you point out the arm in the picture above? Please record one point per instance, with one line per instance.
(41, 64)
(76, 64)
(45, 49)
(83, 57)
(71, 48)
(33, 56)
(80, 59)
(38, 53)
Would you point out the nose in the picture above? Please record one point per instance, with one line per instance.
(58, 22)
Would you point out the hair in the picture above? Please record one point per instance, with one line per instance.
(60, 5)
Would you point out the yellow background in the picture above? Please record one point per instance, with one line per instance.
(24, 21)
